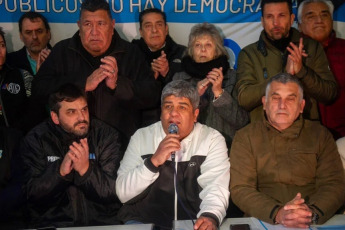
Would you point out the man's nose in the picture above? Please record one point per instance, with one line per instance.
(318, 18)
(34, 35)
(173, 112)
(275, 21)
(282, 104)
(94, 29)
(81, 116)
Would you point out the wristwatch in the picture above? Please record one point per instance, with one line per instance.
(314, 216)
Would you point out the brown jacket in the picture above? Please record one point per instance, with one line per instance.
(260, 61)
(268, 169)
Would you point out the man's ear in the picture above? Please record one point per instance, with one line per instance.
(78, 23)
(166, 29)
(21, 36)
(196, 114)
(292, 19)
(54, 117)
(49, 35)
(141, 32)
(262, 21)
(263, 100)
(302, 106)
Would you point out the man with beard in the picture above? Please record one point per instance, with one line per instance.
(71, 163)
(112, 71)
(280, 48)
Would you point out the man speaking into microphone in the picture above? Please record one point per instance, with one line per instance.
(193, 184)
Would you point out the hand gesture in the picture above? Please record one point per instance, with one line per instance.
(110, 70)
(202, 86)
(160, 65)
(215, 76)
(205, 223)
(42, 56)
(107, 71)
(294, 63)
(295, 213)
(66, 165)
(79, 153)
(168, 145)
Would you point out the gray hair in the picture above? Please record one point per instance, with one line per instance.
(210, 30)
(181, 88)
(300, 7)
(284, 78)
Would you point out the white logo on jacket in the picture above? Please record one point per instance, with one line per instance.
(52, 158)
(192, 164)
(13, 88)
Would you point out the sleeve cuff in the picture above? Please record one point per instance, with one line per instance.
(150, 166)
(212, 216)
(302, 73)
(78, 180)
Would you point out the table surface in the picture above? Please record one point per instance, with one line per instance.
(114, 227)
(335, 223)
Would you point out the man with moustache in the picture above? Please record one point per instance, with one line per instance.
(157, 186)
(315, 21)
(163, 55)
(113, 72)
(70, 164)
(285, 169)
(279, 49)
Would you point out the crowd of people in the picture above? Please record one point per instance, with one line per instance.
(101, 131)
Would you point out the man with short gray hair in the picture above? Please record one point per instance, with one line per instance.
(175, 174)
(284, 169)
(315, 21)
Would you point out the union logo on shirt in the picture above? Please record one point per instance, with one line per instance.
(13, 88)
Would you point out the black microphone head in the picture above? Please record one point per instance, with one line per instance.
(173, 128)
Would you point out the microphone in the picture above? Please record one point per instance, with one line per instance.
(173, 129)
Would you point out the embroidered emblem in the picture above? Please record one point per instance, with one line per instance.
(13, 88)
(192, 164)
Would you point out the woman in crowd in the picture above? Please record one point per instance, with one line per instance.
(206, 65)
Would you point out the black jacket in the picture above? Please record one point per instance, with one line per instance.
(72, 200)
(13, 100)
(136, 87)
(11, 175)
(174, 54)
(19, 59)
